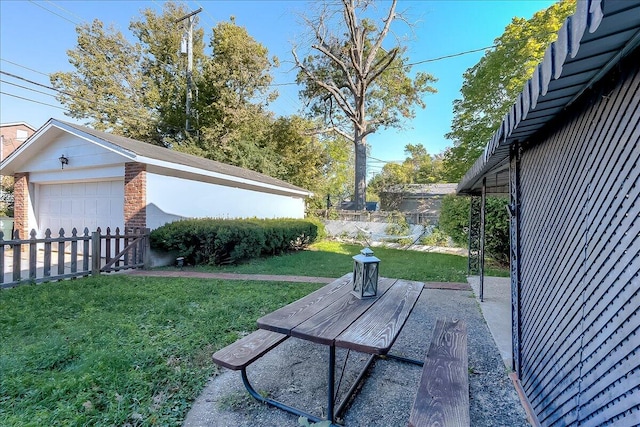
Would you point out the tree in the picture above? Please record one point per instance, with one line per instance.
(355, 84)
(418, 168)
(491, 86)
(164, 67)
(232, 95)
(454, 221)
(107, 86)
(138, 89)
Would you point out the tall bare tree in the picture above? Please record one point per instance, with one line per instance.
(354, 83)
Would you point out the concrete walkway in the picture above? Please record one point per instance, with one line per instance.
(272, 277)
(496, 310)
(229, 276)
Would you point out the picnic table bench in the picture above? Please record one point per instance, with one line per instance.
(245, 351)
(443, 394)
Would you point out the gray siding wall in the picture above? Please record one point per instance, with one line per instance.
(580, 261)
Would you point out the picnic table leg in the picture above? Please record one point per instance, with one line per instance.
(275, 403)
(403, 359)
(331, 383)
(354, 387)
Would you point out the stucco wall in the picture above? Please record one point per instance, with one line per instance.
(171, 198)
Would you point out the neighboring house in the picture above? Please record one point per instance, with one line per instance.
(12, 135)
(68, 175)
(424, 198)
(568, 154)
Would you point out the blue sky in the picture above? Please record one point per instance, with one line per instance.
(35, 35)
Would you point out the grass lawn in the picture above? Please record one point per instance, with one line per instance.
(122, 350)
(333, 259)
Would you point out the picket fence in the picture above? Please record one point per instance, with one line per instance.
(38, 260)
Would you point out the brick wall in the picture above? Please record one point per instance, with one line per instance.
(135, 195)
(21, 204)
(10, 138)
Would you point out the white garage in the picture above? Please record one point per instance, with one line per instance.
(80, 205)
(69, 176)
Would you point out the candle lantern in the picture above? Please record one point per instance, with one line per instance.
(365, 274)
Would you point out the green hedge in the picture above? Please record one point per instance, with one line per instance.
(218, 241)
(454, 220)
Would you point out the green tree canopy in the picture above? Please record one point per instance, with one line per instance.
(491, 86)
(354, 84)
(164, 67)
(107, 86)
(418, 168)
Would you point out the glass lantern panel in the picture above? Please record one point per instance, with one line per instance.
(370, 285)
(358, 274)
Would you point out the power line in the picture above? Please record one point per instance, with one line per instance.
(51, 11)
(97, 104)
(31, 81)
(453, 55)
(26, 68)
(27, 88)
(65, 10)
(33, 100)
(385, 161)
(213, 21)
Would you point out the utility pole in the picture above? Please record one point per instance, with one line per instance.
(189, 52)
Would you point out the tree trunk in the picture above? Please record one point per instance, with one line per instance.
(361, 171)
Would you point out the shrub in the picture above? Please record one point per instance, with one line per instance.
(217, 241)
(454, 220)
(436, 237)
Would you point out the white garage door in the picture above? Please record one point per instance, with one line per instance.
(80, 205)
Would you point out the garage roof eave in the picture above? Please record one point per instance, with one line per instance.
(241, 182)
(169, 160)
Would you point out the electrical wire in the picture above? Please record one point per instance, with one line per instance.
(66, 10)
(32, 100)
(25, 67)
(27, 88)
(97, 107)
(430, 60)
(51, 11)
(453, 55)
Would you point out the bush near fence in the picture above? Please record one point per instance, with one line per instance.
(219, 241)
(454, 220)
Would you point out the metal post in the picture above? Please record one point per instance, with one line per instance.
(331, 383)
(483, 209)
(514, 234)
(474, 235)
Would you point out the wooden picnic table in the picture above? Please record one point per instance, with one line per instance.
(335, 317)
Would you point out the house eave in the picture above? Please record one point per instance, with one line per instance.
(589, 44)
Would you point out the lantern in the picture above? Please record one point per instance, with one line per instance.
(365, 274)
